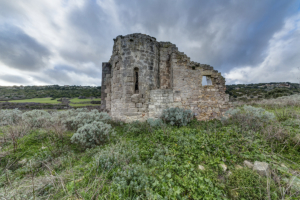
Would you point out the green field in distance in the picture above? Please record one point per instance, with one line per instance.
(75, 102)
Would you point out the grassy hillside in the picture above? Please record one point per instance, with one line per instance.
(250, 92)
(53, 91)
(141, 160)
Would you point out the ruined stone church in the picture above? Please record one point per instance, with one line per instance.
(143, 77)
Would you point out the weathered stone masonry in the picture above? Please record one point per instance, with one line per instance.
(144, 76)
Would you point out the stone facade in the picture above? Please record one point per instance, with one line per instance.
(144, 76)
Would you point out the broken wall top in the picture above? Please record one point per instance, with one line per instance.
(139, 41)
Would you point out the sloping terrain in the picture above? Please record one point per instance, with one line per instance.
(150, 160)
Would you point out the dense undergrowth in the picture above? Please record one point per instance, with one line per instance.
(151, 160)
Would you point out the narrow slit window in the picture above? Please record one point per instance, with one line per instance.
(206, 80)
(136, 85)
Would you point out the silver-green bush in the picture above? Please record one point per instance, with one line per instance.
(36, 118)
(155, 123)
(116, 155)
(252, 112)
(88, 117)
(10, 116)
(95, 133)
(177, 116)
(248, 118)
(67, 117)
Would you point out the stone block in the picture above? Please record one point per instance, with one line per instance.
(135, 98)
(142, 109)
(151, 106)
(131, 110)
(138, 105)
(248, 164)
(131, 113)
(262, 168)
(129, 105)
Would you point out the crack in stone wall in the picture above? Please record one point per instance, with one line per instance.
(166, 78)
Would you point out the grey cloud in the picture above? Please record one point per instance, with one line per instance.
(64, 75)
(91, 32)
(14, 79)
(231, 33)
(19, 50)
(55, 76)
(226, 34)
(245, 26)
(89, 71)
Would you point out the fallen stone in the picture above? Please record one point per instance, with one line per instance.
(238, 167)
(224, 167)
(262, 168)
(248, 164)
(201, 167)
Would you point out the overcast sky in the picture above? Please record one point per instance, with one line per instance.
(64, 42)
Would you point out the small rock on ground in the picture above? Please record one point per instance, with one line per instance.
(248, 164)
(201, 167)
(262, 168)
(224, 167)
(238, 167)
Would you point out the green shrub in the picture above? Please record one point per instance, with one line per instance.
(177, 116)
(248, 118)
(136, 128)
(247, 184)
(155, 123)
(284, 114)
(295, 123)
(95, 133)
(116, 155)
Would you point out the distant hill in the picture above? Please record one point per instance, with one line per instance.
(248, 92)
(54, 91)
(237, 92)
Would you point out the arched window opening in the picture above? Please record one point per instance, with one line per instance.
(136, 77)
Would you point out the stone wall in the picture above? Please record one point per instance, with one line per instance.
(135, 57)
(144, 76)
(105, 87)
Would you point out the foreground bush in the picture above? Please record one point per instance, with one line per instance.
(155, 123)
(177, 116)
(248, 118)
(90, 135)
(67, 117)
(82, 118)
(247, 184)
(36, 118)
(10, 116)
